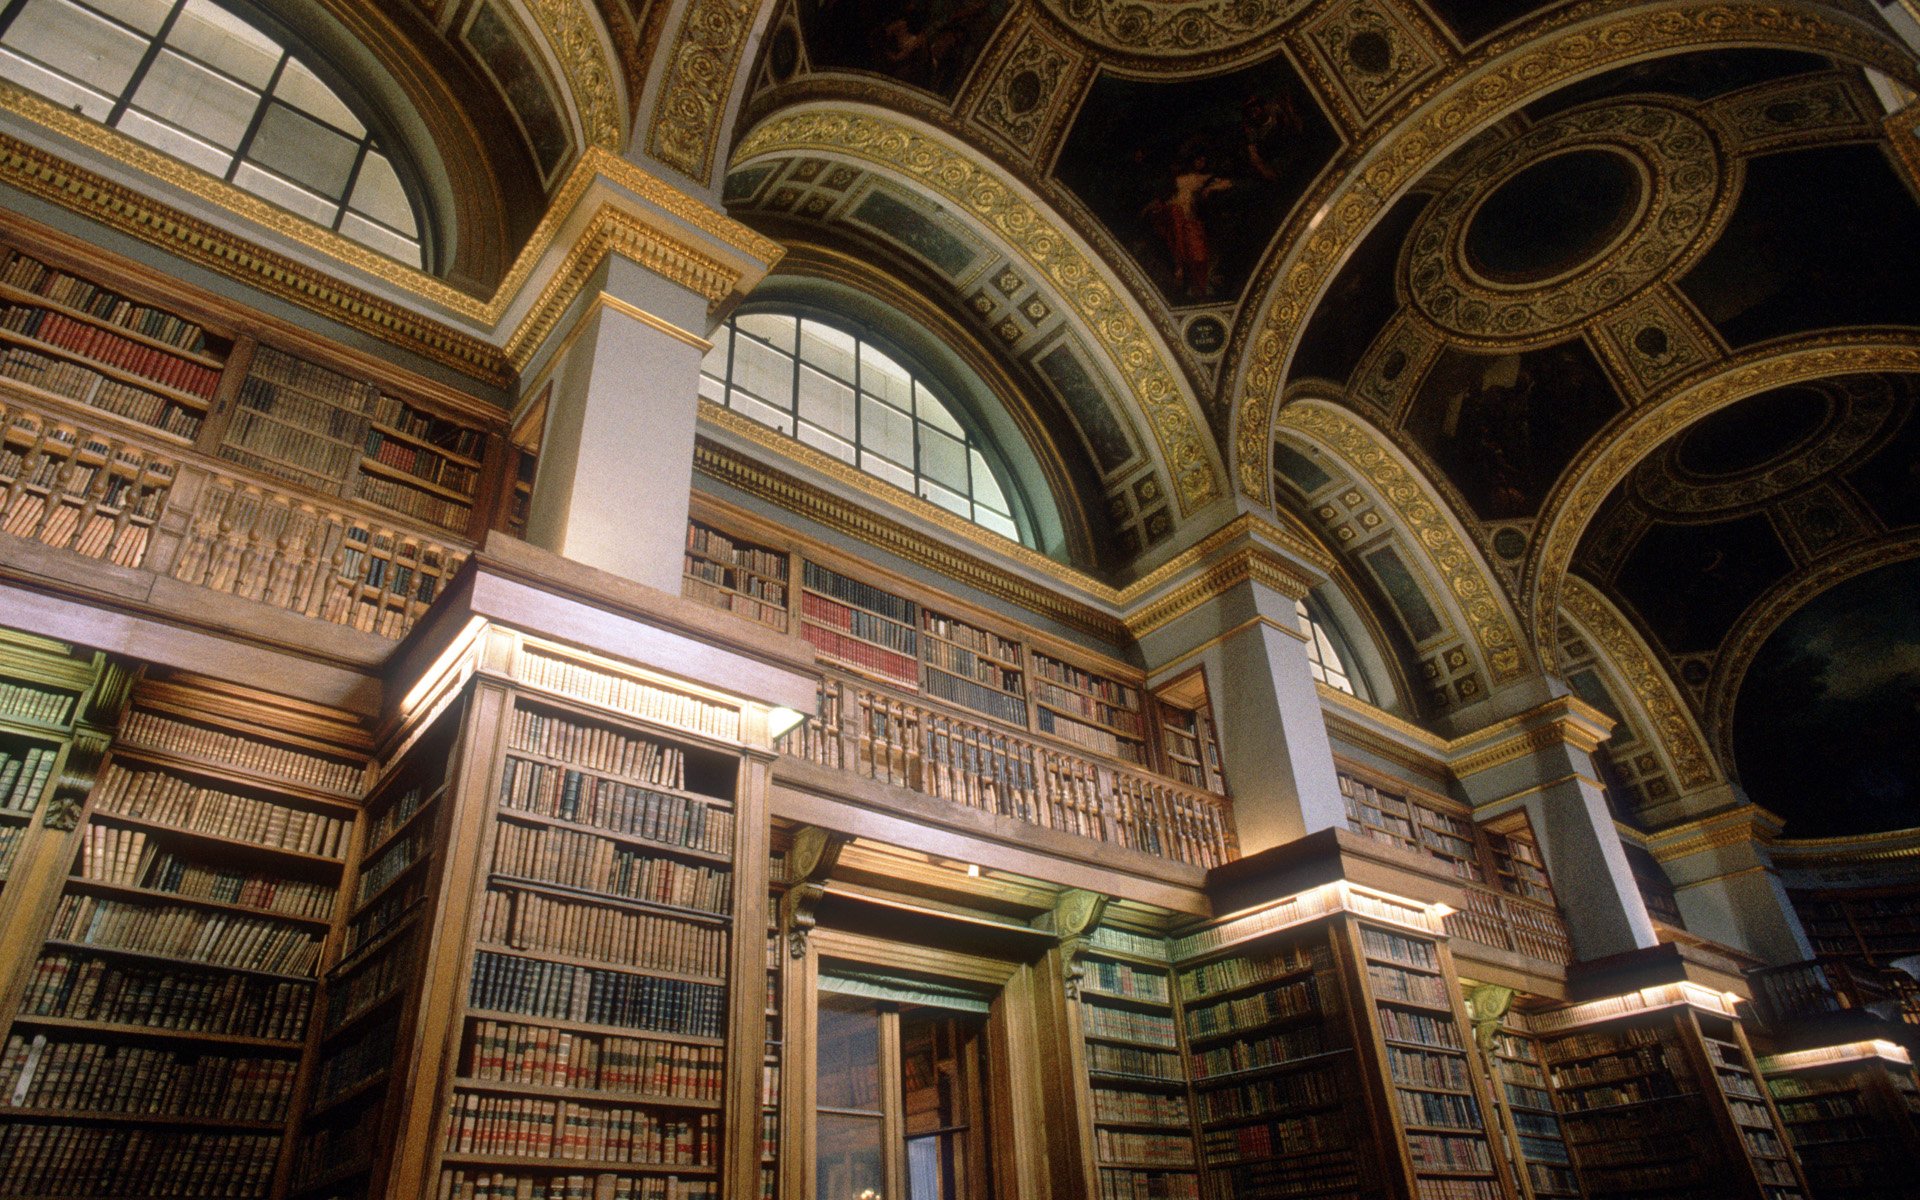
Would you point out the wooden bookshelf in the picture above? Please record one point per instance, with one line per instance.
(1136, 1070)
(1525, 1098)
(1870, 925)
(736, 575)
(973, 668)
(1088, 710)
(1853, 1117)
(864, 628)
(1747, 1106)
(773, 1061)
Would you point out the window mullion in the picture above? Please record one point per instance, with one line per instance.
(259, 116)
(353, 178)
(145, 64)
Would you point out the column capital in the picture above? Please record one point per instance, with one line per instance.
(1553, 739)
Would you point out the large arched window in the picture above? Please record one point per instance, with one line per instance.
(841, 394)
(1325, 657)
(196, 82)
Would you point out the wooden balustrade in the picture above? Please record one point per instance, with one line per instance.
(1511, 923)
(936, 752)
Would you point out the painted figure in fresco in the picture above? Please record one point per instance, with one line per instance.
(1177, 218)
(1495, 418)
(930, 43)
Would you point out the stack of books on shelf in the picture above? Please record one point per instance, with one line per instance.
(736, 575)
(971, 667)
(1526, 1098)
(860, 626)
(1088, 710)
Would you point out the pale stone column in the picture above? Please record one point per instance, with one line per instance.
(1725, 882)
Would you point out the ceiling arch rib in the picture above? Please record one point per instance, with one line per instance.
(1132, 366)
(1499, 78)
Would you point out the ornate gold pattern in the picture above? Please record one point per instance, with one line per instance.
(1424, 516)
(1251, 564)
(1656, 338)
(1505, 74)
(1606, 461)
(1519, 746)
(1666, 716)
(1398, 359)
(1035, 63)
(571, 28)
(1795, 112)
(1687, 195)
(693, 100)
(973, 187)
(1369, 54)
(1172, 28)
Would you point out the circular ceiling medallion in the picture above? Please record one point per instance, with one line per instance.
(1173, 29)
(1765, 446)
(1566, 220)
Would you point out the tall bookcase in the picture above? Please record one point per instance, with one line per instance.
(1527, 1106)
(973, 667)
(161, 1033)
(1088, 710)
(1853, 1115)
(1136, 1072)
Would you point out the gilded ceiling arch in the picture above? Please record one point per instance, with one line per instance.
(981, 195)
(1498, 78)
(1617, 451)
(1441, 563)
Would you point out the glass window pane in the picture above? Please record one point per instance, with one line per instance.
(78, 43)
(943, 459)
(827, 348)
(826, 402)
(770, 327)
(880, 468)
(935, 413)
(221, 40)
(986, 489)
(886, 431)
(820, 439)
(271, 187)
(765, 372)
(848, 1160)
(145, 15)
(304, 150)
(885, 378)
(378, 194)
(183, 146)
(302, 89)
(748, 406)
(67, 93)
(1001, 525)
(379, 237)
(847, 1075)
(951, 501)
(184, 93)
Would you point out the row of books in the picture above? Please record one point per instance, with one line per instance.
(1249, 1054)
(1315, 1088)
(1396, 948)
(1124, 979)
(1138, 944)
(365, 985)
(861, 595)
(29, 274)
(597, 748)
(1139, 1108)
(768, 613)
(421, 463)
(1390, 983)
(1087, 737)
(507, 1185)
(92, 342)
(731, 579)
(392, 860)
(90, 387)
(559, 991)
(396, 812)
(1438, 1108)
(83, 987)
(1449, 1152)
(530, 921)
(1110, 692)
(971, 664)
(1612, 1041)
(1154, 1029)
(451, 515)
(1149, 1149)
(861, 624)
(1147, 1185)
(645, 701)
(313, 380)
(970, 637)
(24, 775)
(569, 794)
(34, 704)
(136, 1164)
(1070, 703)
(1297, 998)
(1239, 971)
(1630, 1063)
(357, 1061)
(538, 1056)
(899, 668)
(128, 857)
(215, 938)
(335, 1150)
(713, 545)
(293, 436)
(1104, 1058)
(183, 737)
(521, 1127)
(581, 860)
(172, 800)
(1304, 1134)
(979, 697)
(10, 838)
(1431, 1188)
(1422, 1028)
(1423, 1068)
(80, 1076)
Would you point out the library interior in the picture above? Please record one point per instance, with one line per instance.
(959, 599)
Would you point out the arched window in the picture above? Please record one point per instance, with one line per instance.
(841, 394)
(1324, 656)
(196, 82)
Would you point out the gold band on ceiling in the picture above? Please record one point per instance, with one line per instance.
(972, 186)
(1771, 610)
(693, 101)
(573, 32)
(1507, 74)
(1667, 716)
(1601, 466)
(1467, 578)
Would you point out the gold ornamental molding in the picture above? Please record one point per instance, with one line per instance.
(573, 32)
(1445, 112)
(1250, 564)
(1466, 577)
(973, 187)
(1667, 718)
(693, 101)
(1565, 731)
(1601, 466)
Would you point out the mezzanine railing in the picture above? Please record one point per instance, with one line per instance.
(938, 752)
(1512, 923)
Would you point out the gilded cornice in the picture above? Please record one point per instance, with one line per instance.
(1523, 745)
(572, 30)
(693, 100)
(1667, 717)
(1250, 564)
(1360, 710)
(1603, 464)
(974, 187)
(1246, 525)
(1505, 74)
(1426, 519)
(1867, 847)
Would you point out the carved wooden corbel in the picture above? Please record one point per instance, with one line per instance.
(1486, 1005)
(1074, 916)
(810, 862)
(100, 711)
